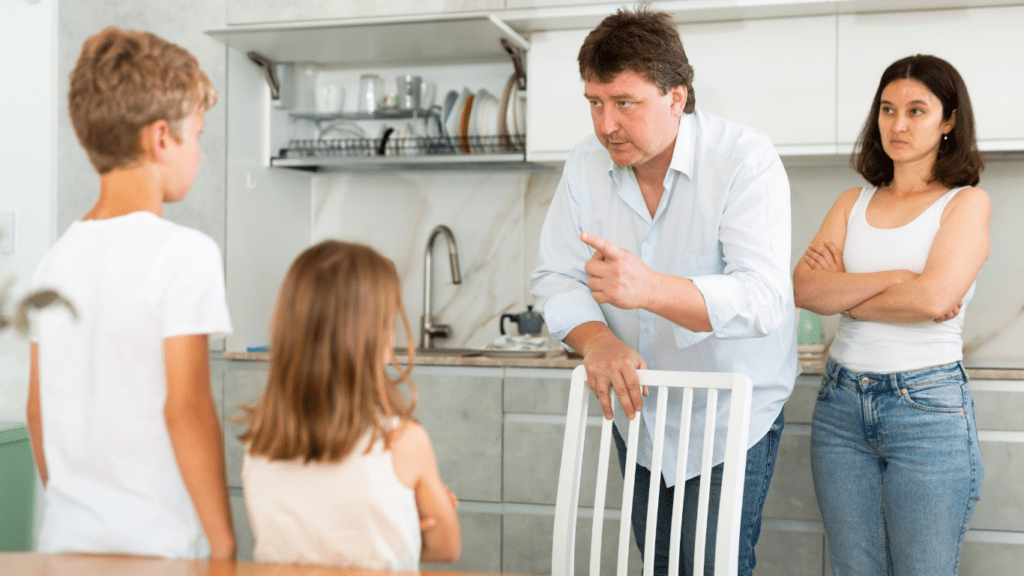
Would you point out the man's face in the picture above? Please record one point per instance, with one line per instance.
(633, 119)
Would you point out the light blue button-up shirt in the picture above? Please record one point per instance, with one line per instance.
(724, 223)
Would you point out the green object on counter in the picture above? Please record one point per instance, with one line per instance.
(809, 330)
(17, 488)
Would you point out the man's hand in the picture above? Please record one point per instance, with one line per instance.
(617, 276)
(610, 364)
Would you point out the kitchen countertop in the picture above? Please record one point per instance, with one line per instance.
(563, 360)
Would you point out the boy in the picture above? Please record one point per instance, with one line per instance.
(125, 433)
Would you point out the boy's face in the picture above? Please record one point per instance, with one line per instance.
(185, 157)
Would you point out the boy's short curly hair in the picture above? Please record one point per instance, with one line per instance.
(125, 80)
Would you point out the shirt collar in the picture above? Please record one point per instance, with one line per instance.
(682, 155)
(686, 145)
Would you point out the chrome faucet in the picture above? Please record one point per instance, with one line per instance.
(429, 330)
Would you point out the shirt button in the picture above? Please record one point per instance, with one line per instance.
(646, 330)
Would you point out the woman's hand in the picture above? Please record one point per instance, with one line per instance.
(951, 313)
(825, 256)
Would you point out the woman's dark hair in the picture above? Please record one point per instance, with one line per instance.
(959, 162)
(644, 41)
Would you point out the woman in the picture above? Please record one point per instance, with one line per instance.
(894, 447)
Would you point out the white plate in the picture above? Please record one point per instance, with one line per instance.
(449, 102)
(479, 103)
(511, 123)
(451, 125)
(487, 123)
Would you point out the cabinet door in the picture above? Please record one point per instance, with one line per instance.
(984, 44)
(776, 75)
(257, 11)
(460, 407)
(557, 114)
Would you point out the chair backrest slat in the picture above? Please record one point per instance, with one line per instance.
(599, 496)
(680, 492)
(703, 497)
(627, 497)
(661, 415)
(730, 506)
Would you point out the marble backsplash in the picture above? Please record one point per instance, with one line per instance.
(496, 219)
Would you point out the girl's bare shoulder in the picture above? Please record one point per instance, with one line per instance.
(411, 452)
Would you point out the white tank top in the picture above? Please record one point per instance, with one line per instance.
(353, 513)
(867, 346)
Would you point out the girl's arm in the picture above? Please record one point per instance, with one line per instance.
(416, 467)
(821, 283)
(34, 416)
(958, 251)
(194, 429)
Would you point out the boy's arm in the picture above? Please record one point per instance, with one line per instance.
(194, 429)
(34, 416)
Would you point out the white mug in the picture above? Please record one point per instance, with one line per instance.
(330, 98)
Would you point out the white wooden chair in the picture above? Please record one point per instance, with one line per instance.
(727, 539)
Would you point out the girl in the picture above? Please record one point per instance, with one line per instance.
(894, 444)
(337, 471)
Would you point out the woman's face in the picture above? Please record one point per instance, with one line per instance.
(910, 121)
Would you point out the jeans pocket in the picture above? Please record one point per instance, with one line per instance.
(943, 396)
(826, 386)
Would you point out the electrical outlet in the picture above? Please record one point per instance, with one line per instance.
(6, 232)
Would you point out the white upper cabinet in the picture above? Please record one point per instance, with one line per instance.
(986, 45)
(261, 11)
(558, 116)
(777, 75)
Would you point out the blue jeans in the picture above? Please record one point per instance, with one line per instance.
(897, 469)
(760, 466)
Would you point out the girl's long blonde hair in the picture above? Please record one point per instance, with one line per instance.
(331, 335)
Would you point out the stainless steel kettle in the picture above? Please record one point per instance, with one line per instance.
(529, 322)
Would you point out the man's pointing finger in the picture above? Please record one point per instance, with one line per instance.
(603, 246)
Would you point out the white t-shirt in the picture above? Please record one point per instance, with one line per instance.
(355, 512)
(114, 483)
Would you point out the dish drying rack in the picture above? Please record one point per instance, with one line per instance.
(338, 144)
(403, 146)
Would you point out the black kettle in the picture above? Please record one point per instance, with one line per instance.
(529, 322)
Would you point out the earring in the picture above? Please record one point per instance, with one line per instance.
(945, 137)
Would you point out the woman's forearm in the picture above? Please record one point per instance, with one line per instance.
(828, 292)
(905, 303)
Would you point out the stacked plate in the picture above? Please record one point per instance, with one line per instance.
(482, 122)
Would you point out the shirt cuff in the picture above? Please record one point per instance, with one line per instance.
(567, 310)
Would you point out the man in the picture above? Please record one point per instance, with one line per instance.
(667, 247)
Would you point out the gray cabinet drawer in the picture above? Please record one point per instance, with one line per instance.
(540, 391)
(481, 543)
(533, 456)
(527, 537)
(463, 416)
